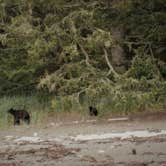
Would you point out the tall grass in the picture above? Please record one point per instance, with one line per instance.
(114, 102)
(39, 109)
(36, 108)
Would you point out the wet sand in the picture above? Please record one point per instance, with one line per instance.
(136, 142)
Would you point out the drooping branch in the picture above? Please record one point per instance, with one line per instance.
(151, 51)
(111, 69)
(85, 54)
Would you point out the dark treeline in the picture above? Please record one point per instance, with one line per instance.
(68, 47)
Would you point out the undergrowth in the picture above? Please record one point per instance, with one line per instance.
(121, 100)
(124, 96)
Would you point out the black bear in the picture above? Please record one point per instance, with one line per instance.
(93, 111)
(19, 115)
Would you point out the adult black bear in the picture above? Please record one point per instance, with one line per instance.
(19, 115)
(93, 111)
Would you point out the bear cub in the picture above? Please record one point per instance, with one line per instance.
(93, 111)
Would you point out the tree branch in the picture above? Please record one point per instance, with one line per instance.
(111, 69)
(85, 54)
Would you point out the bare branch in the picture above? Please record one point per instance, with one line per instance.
(111, 69)
(85, 54)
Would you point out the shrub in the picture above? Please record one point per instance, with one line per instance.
(143, 66)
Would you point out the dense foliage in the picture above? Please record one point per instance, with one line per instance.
(84, 48)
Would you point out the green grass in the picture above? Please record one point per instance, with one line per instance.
(40, 110)
(36, 108)
(114, 103)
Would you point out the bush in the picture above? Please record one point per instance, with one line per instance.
(143, 66)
